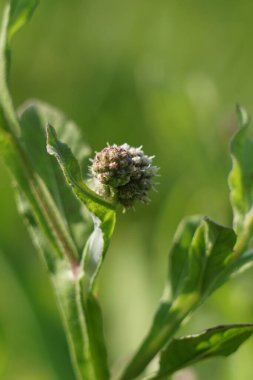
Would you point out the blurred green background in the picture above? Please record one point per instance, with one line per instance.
(162, 74)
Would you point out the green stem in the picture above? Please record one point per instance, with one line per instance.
(61, 256)
(65, 271)
(243, 238)
(61, 261)
(68, 290)
(156, 339)
(5, 97)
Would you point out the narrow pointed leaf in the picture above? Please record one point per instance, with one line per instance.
(188, 350)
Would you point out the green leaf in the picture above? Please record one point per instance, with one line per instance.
(200, 253)
(29, 191)
(93, 254)
(69, 212)
(59, 224)
(38, 231)
(204, 248)
(188, 350)
(103, 212)
(235, 267)
(67, 209)
(69, 295)
(210, 249)
(41, 187)
(242, 116)
(241, 175)
(20, 13)
(57, 221)
(82, 318)
(103, 215)
(244, 262)
(16, 14)
(96, 337)
(179, 253)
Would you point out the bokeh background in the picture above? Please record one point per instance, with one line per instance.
(162, 74)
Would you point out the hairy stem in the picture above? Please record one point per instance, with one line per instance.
(69, 297)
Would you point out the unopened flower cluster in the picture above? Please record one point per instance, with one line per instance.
(124, 174)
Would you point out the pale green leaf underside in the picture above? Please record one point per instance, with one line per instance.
(217, 341)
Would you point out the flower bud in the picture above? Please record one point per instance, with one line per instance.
(123, 174)
(112, 166)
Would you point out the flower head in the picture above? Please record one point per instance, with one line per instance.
(123, 173)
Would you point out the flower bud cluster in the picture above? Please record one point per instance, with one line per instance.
(123, 173)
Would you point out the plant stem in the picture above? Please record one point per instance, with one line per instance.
(61, 261)
(243, 238)
(59, 250)
(180, 308)
(156, 339)
(68, 291)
